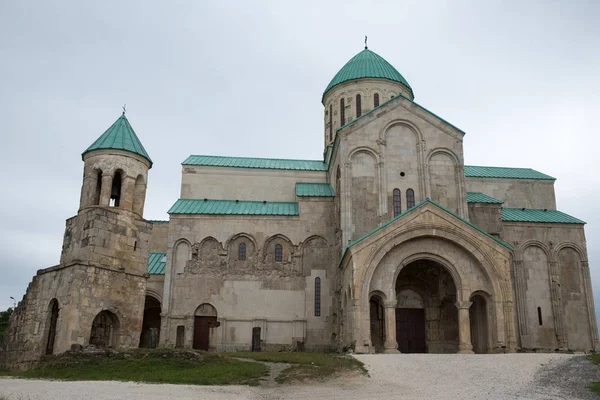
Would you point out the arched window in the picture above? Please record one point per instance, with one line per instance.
(376, 100)
(115, 192)
(98, 188)
(342, 113)
(242, 251)
(358, 106)
(317, 297)
(278, 253)
(410, 198)
(330, 122)
(396, 202)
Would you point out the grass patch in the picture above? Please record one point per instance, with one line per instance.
(307, 366)
(595, 386)
(152, 366)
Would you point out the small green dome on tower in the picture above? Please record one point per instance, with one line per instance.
(366, 64)
(120, 136)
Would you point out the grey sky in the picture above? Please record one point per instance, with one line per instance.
(246, 78)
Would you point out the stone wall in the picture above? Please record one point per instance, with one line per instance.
(158, 238)
(516, 193)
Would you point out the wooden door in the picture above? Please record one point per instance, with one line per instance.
(202, 331)
(410, 330)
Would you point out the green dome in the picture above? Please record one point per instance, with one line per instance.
(120, 136)
(366, 64)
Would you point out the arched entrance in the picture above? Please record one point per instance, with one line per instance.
(52, 322)
(426, 315)
(105, 329)
(377, 318)
(205, 318)
(150, 335)
(478, 317)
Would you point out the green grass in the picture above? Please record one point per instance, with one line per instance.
(158, 366)
(595, 387)
(307, 366)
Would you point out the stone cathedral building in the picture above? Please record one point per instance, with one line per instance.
(389, 243)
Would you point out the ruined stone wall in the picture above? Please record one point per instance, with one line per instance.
(516, 193)
(552, 286)
(82, 291)
(258, 291)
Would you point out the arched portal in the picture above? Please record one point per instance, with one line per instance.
(105, 329)
(426, 315)
(52, 322)
(150, 335)
(478, 317)
(205, 318)
(377, 318)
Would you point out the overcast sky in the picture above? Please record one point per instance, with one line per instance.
(242, 78)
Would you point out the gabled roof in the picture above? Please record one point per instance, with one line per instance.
(477, 197)
(427, 200)
(233, 207)
(472, 171)
(250, 162)
(400, 96)
(120, 136)
(157, 263)
(366, 64)
(543, 216)
(314, 190)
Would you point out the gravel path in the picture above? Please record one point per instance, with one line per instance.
(404, 376)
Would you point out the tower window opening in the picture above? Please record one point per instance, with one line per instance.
(135, 246)
(115, 192)
(376, 100)
(410, 198)
(330, 122)
(540, 316)
(242, 252)
(278, 253)
(396, 202)
(317, 297)
(98, 188)
(342, 113)
(358, 106)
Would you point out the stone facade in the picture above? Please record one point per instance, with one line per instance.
(396, 251)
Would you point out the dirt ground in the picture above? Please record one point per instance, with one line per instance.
(403, 376)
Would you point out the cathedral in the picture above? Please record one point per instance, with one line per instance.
(388, 244)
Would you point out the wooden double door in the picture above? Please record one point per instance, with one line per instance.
(410, 330)
(202, 327)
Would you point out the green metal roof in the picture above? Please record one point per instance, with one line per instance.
(157, 263)
(394, 99)
(427, 200)
(544, 216)
(472, 171)
(314, 190)
(366, 64)
(233, 207)
(263, 163)
(477, 197)
(120, 136)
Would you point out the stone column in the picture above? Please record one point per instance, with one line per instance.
(390, 345)
(127, 189)
(464, 328)
(105, 191)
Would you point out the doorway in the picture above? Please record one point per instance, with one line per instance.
(410, 330)
(205, 318)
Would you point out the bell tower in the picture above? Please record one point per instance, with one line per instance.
(109, 229)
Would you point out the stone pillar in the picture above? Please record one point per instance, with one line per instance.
(390, 345)
(105, 191)
(127, 189)
(464, 328)
(557, 304)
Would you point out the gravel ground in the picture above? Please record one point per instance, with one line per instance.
(404, 376)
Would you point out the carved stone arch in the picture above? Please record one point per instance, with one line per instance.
(238, 256)
(240, 235)
(564, 245)
(315, 254)
(402, 122)
(288, 252)
(155, 294)
(211, 239)
(182, 253)
(364, 149)
(536, 243)
(378, 293)
(443, 150)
